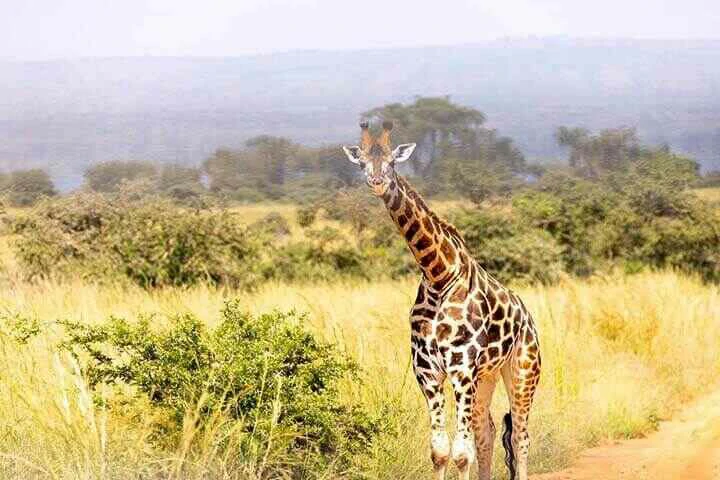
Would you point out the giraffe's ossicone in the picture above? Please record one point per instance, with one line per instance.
(465, 325)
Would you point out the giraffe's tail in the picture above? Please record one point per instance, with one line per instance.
(507, 443)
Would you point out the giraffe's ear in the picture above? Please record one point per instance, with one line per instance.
(402, 152)
(353, 154)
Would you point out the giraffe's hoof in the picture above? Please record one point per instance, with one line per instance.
(463, 453)
(462, 463)
(439, 460)
(440, 449)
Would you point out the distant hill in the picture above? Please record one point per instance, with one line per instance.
(68, 114)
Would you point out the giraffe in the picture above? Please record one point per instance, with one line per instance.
(465, 326)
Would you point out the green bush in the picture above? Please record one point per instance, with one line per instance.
(386, 249)
(158, 245)
(64, 236)
(149, 241)
(643, 216)
(569, 209)
(326, 254)
(508, 248)
(153, 242)
(689, 243)
(18, 327)
(273, 225)
(265, 372)
(354, 206)
(306, 215)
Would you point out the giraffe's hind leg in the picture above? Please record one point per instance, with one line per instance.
(483, 426)
(520, 374)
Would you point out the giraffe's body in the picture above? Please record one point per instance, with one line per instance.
(465, 327)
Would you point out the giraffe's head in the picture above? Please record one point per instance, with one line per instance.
(375, 156)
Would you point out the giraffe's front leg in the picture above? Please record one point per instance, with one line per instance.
(463, 449)
(439, 439)
(431, 383)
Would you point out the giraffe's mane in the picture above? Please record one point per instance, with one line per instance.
(439, 221)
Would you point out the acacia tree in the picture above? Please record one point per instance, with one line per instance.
(456, 154)
(434, 123)
(592, 156)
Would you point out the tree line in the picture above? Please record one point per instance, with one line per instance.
(615, 204)
(457, 155)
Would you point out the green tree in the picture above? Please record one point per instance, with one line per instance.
(273, 167)
(456, 154)
(180, 182)
(327, 161)
(272, 156)
(641, 215)
(257, 172)
(223, 170)
(316, 172)
(236, 174)
(434, 123)
(25, 187)
(107, 176)
(592, 156)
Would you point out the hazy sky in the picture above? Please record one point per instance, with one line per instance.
(44, 29)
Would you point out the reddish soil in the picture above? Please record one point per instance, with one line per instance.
(685, 448)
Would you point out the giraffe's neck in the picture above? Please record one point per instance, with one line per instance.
(437, 246)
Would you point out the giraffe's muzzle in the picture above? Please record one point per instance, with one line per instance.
(378, 185)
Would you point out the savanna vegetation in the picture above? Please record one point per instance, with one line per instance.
(246, 319)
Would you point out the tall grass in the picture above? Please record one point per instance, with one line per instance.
(619, 353)
(709, 194)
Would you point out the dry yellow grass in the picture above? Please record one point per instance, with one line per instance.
(709, 194)
(619, 353)
(253, 212)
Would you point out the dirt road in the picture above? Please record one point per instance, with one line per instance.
(686, 448)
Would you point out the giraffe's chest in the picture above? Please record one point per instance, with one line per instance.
(466, 332)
